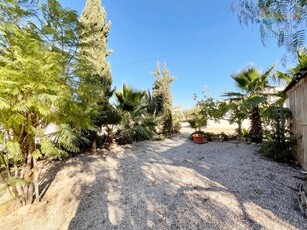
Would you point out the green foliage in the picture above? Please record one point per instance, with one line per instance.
(253, 84)
(209, 136)
(235, 111)
(138, 133)
(94, 69)
(282, 19)
(302, 61)
(279, 140)
(129, 100)
(245, 134)
(136, 123)
(254, 99)
(198, 121)
(110, 116)
(224, 137)
(14, 150)
(14, 10)
(38, 87)
(281, 153)
(123, 139)
(93, 40)
(205, 110)
(163, 99)
(150, 102)
(177, 115)
(251, 81)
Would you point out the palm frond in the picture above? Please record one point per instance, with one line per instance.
(233, 95)
(255, 100)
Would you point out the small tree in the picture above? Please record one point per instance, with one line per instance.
(279, 140)
(234, 110)
(198, 121)
(37, 89)
(253, 85)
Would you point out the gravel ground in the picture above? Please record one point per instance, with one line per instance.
(171, 184)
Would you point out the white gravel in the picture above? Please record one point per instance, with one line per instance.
(171, 184)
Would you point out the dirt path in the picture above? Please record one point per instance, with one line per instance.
(171, 184)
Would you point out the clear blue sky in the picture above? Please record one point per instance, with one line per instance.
(201, 42)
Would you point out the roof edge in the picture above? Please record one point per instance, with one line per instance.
(296, 79)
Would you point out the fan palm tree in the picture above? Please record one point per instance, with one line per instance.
(136, 125)
(252, 83)
(128, 99)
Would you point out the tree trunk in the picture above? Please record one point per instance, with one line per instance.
(28, 174)
(93, 135)
(240, 130)
(256, 128)
(35, 180)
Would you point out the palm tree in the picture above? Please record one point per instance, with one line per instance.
(128, 99)
(137, 125)
(302, 60)
(252, 83)
(150, 101)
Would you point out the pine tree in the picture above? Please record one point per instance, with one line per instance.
(96, 80)
(163, 98)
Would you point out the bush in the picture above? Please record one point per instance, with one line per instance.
(176, 127)
(123, 139)
(136, 133)
(209, 136)
(278, 140)
(224, 137)
(279, 149)
(245, 134)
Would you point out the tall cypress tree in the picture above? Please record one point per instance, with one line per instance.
(96, 77)
(94, 40)
(163, 98)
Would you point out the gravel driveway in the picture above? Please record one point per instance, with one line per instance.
(171, 184)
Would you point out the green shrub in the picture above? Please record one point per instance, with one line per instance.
(279, 141)
(209, 136)
(281, 151)
(176, 127)
(123, 139)
(245, 134)
(224, 137)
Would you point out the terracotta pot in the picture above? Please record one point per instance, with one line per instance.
(199, 138)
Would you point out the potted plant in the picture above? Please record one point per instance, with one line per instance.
(199, 121)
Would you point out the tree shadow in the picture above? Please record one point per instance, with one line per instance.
(48, 174)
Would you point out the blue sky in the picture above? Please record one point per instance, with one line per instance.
(201, 42)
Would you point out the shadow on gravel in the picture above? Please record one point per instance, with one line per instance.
(153, 185)
(48, 175)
